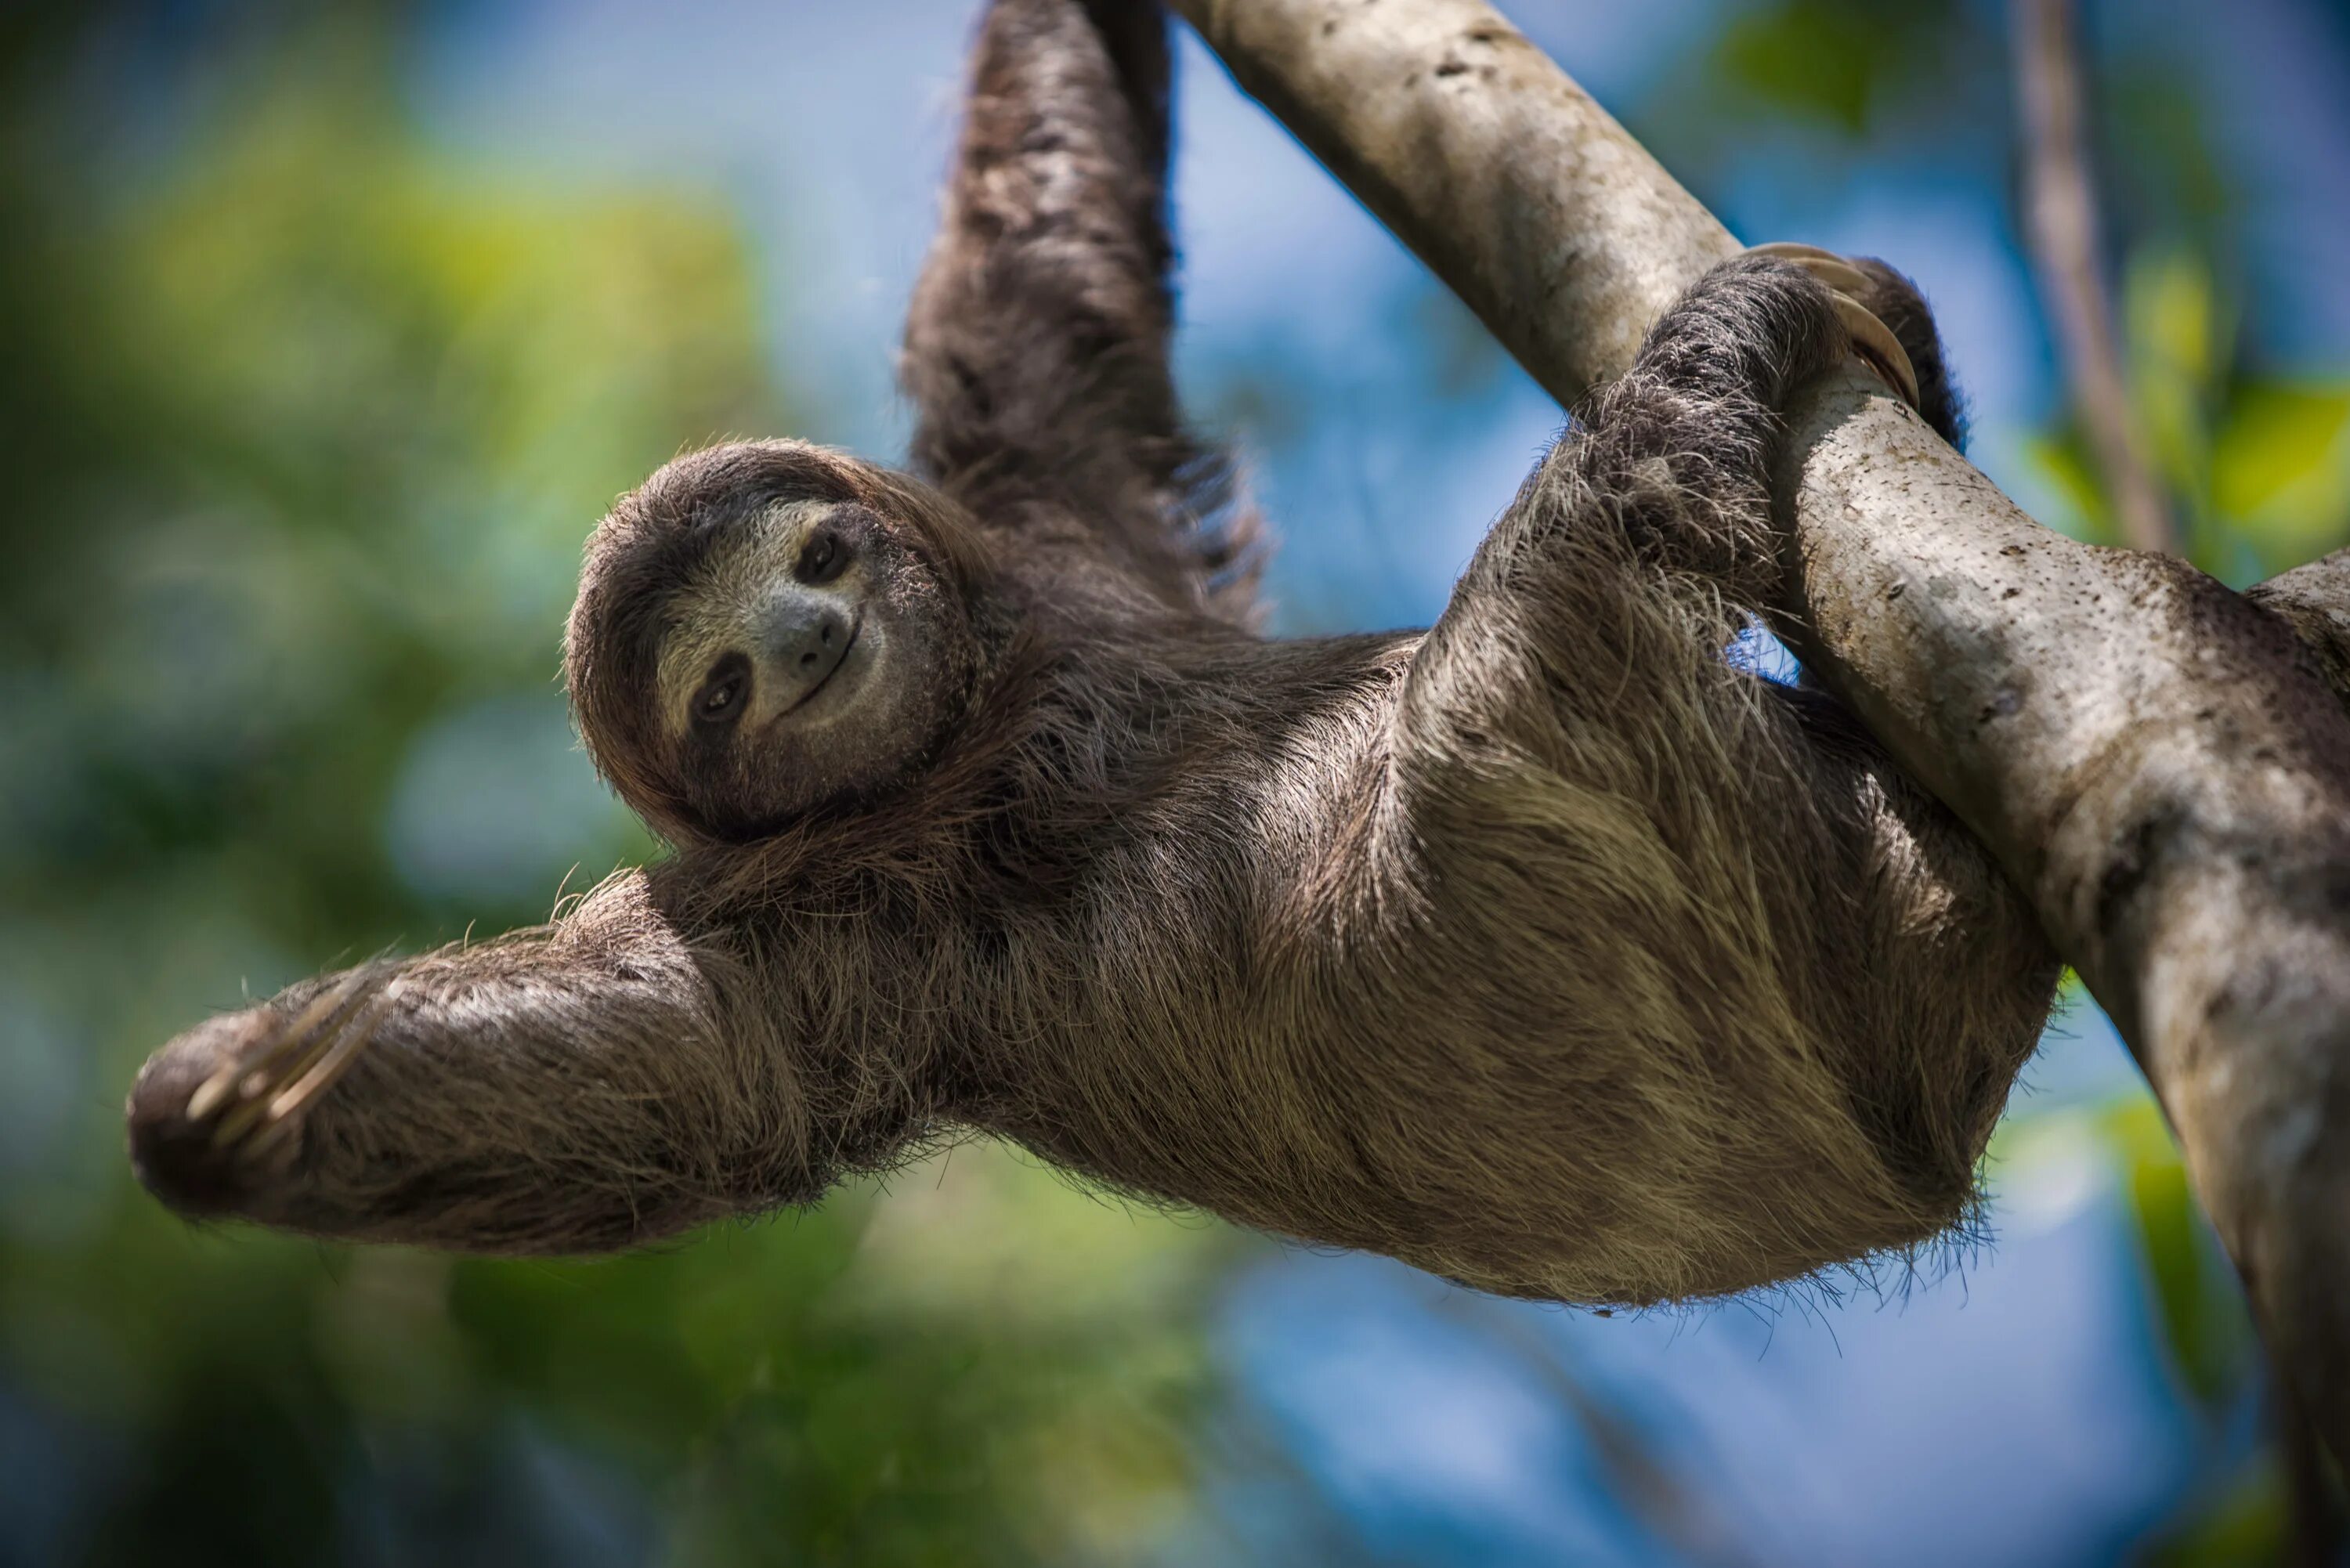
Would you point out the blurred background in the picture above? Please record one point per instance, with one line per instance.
(329, 332)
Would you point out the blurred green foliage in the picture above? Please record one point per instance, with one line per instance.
(2257, 462)
(1833, 62)
(304, 425)
(2257, 459)
(304, 429)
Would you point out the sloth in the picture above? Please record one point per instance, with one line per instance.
(1550, 949)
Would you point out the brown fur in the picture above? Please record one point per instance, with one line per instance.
(1546, 951)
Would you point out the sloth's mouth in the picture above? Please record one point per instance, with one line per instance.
(825, 680)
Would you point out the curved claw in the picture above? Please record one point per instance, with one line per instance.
(1847, 285)
(257, 1096)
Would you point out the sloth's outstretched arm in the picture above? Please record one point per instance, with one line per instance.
(584, 1085)
(1036, 343)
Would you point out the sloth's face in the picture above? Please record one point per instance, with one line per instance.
(745, 651)
(810, 657)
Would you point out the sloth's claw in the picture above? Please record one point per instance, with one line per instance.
(257, 1095)
(321, 1071)
(243, 1074)
(1847, 286)
(243, 1066)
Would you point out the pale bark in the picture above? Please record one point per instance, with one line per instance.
(2315, 600)
(2150, 757)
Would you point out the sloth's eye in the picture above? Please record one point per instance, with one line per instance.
(719, 701)
(822, 557)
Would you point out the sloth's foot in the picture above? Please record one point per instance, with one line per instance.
(1872, 340)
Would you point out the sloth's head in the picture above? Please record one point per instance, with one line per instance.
(767, 627)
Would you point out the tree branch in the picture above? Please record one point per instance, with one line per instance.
(2061, 210)
(2148, 757)
(2314, 601)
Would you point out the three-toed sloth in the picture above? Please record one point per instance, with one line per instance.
(1547, 949)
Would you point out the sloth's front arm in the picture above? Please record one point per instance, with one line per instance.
(599, 1081)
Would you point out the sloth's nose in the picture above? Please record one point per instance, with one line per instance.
(804, 635)
(178, 1158)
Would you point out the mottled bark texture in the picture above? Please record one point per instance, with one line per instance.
(2315, 600)
(2158, 765)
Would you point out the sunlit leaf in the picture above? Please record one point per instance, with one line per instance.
(2172, 314)
(2061, 460)
(2281, 468)
(2173, 337)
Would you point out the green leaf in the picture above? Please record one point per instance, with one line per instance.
(1803, 58)
(2281, 468)
(2174, 343)
(2064, 463)
(2172, 314)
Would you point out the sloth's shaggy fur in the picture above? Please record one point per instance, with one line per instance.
(1547, 949)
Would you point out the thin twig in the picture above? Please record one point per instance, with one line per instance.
(2061, 222)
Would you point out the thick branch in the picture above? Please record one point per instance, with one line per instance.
(2315, 600)
(2061, 210)
(2148, 755)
